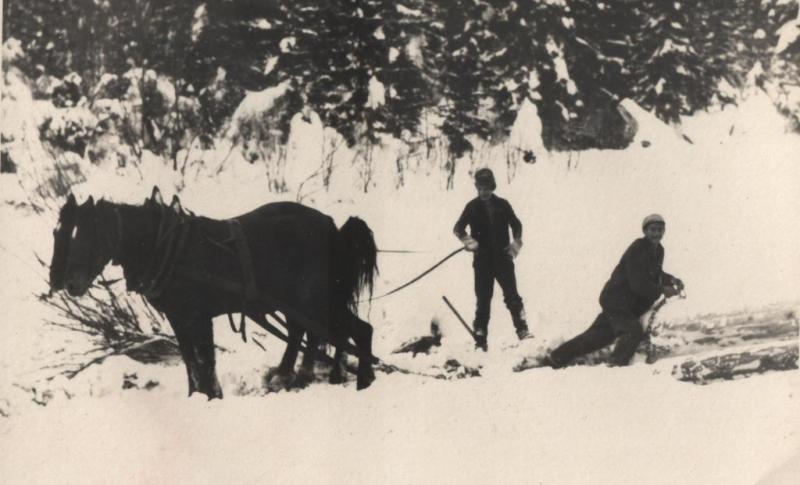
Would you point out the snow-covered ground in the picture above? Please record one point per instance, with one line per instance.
(731, 200)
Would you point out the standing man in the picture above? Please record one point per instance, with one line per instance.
(489, 218)
(635, 284)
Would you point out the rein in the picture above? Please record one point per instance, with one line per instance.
(420, 276)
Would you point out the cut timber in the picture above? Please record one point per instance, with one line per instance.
(738, 364)
(718, 332)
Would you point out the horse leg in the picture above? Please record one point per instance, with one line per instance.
(204, 350)
(306, 374)
(338, 373)
(184, 336)
(361, 332)
(282, 377)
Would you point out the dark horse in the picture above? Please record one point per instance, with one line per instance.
(281, 257)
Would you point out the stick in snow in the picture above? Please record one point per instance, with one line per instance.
(453, 309)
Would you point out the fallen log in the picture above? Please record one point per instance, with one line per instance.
(714, 332)
(740, 364)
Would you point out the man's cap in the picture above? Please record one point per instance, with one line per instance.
(651, 219)
(485, 178)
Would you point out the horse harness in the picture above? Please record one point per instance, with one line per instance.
(170, 243)
(171, 239)
(173, 230)
(246, 263)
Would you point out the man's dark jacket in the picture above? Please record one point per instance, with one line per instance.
(636, 282)
(492, 236)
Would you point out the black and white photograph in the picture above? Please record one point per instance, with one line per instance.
(400, 242)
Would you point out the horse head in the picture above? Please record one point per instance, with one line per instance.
(92, 245)
(61, 236)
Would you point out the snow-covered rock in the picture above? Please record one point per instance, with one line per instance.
(650, 129)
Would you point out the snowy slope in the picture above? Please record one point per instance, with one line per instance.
(730, 200)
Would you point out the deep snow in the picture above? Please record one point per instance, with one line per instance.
(730, 200)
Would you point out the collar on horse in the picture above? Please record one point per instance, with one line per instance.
(173, 229)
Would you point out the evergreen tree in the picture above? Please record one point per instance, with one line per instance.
(713, 37)
(407, 72)
(460, 73)
(558, 97)
(104, 36)
(602, 53)
(473, 62)
(669, 73)
(239, 37)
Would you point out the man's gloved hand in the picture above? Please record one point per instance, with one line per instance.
(514, 248)
(470, 244)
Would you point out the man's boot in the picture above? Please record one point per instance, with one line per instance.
(480, 338)
(521, 324)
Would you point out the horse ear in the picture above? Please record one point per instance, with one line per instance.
(175, 205)
(71, 202)
(156, 196)
(89, 201)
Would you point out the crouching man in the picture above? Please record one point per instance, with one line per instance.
(489, 218)
(635, 284)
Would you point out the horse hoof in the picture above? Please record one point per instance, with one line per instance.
(276, 381)
(363, 383)
(365, 378)
(303, 379)
(336, 378)
(338, 375)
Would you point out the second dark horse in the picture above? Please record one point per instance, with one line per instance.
(192, 269)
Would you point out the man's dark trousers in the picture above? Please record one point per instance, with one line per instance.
(489, 268)
(608, 326)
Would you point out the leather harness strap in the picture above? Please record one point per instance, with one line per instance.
(245, 259)
(248, 277)
(172, 233)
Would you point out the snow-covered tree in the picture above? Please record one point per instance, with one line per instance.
(670, 75)
(601, 57)
(374, 67)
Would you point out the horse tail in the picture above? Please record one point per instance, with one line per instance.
(357, 263)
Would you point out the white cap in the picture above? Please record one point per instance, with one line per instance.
(651, 219)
